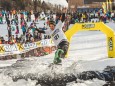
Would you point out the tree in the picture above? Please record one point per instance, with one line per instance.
(6, 4)
(20, 4)
(36, 5)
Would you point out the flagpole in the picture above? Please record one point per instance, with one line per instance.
(110, 2)
(107, 5)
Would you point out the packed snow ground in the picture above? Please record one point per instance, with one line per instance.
(88, 51)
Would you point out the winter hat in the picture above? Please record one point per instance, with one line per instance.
(52, 22)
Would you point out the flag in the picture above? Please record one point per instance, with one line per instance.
(107, 1)
(110, 3)
(104, 7)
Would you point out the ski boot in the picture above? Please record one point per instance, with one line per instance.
(57, 58)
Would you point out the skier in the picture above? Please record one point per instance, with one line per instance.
(58, 38)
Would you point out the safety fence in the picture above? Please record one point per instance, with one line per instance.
(34, 49)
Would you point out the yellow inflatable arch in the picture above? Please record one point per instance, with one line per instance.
(110, 36)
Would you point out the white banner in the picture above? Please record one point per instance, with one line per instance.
(7, 49)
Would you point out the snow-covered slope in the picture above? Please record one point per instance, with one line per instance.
(88, 52)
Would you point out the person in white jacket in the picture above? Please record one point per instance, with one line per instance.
(58, 37)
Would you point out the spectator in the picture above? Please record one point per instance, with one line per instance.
(17, 29)
(17, 39)
(9, 31)
(23, 27)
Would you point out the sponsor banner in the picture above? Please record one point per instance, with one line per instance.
(29, 46)
(7, 49)
(2, 49)
(88, 26)
(110, 43)
(20, 47)
(10, 48)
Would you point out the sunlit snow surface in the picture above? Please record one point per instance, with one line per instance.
(88, 51)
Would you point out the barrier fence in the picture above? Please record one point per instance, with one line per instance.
(39, 48)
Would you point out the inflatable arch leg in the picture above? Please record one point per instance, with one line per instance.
(100, 26)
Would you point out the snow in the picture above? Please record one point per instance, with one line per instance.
(88, 51)
(7, 62)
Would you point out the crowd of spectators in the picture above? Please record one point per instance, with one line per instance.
(88, 16)
(16, 21)
(30, 32)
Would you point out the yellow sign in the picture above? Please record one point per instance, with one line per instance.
(2, 49)
(20, 47)
(100, 26)
(110, 43)
(88, 26)
(39, 44)
(105, 7)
